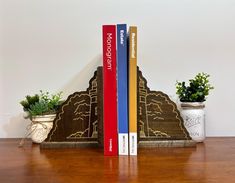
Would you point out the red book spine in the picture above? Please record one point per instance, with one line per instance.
(110, 91)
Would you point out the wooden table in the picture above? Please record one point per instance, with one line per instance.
(212, 161)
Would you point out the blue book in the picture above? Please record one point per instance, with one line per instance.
(122, 78)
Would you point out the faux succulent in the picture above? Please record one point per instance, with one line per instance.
(196, 91)
(42, 103)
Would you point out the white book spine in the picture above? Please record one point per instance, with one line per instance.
(123, 143)
(133, 143)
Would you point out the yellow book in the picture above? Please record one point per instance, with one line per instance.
(133, 90)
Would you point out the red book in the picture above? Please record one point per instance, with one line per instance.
(110, 91)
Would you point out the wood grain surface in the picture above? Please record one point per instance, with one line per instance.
(212, 161)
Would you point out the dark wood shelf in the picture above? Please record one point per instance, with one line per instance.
(212, 161)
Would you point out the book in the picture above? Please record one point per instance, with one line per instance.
(122, 81)
(133, 90)
(110, 91)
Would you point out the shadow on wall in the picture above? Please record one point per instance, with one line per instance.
(16, 126)
(81, 80)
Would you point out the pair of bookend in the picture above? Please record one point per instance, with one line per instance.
(79, 122)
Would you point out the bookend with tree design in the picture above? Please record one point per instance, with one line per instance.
(79, 121)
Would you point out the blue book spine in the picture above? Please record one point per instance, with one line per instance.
(122, 77)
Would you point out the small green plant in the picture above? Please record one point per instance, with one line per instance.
(196, 91)
(29, 101)
(42, 103)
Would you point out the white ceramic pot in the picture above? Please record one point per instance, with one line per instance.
(193, 115)
(41, 126)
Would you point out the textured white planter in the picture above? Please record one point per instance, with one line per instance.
(41, 127)
(193, 115)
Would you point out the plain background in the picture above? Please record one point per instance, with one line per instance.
(56, 45)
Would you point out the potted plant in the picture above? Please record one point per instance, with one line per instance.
(41, 109)
(192, 98)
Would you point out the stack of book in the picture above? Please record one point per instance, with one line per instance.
(120, 89)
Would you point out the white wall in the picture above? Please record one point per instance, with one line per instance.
(56, 45)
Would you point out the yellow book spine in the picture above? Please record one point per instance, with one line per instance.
(133, 90)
